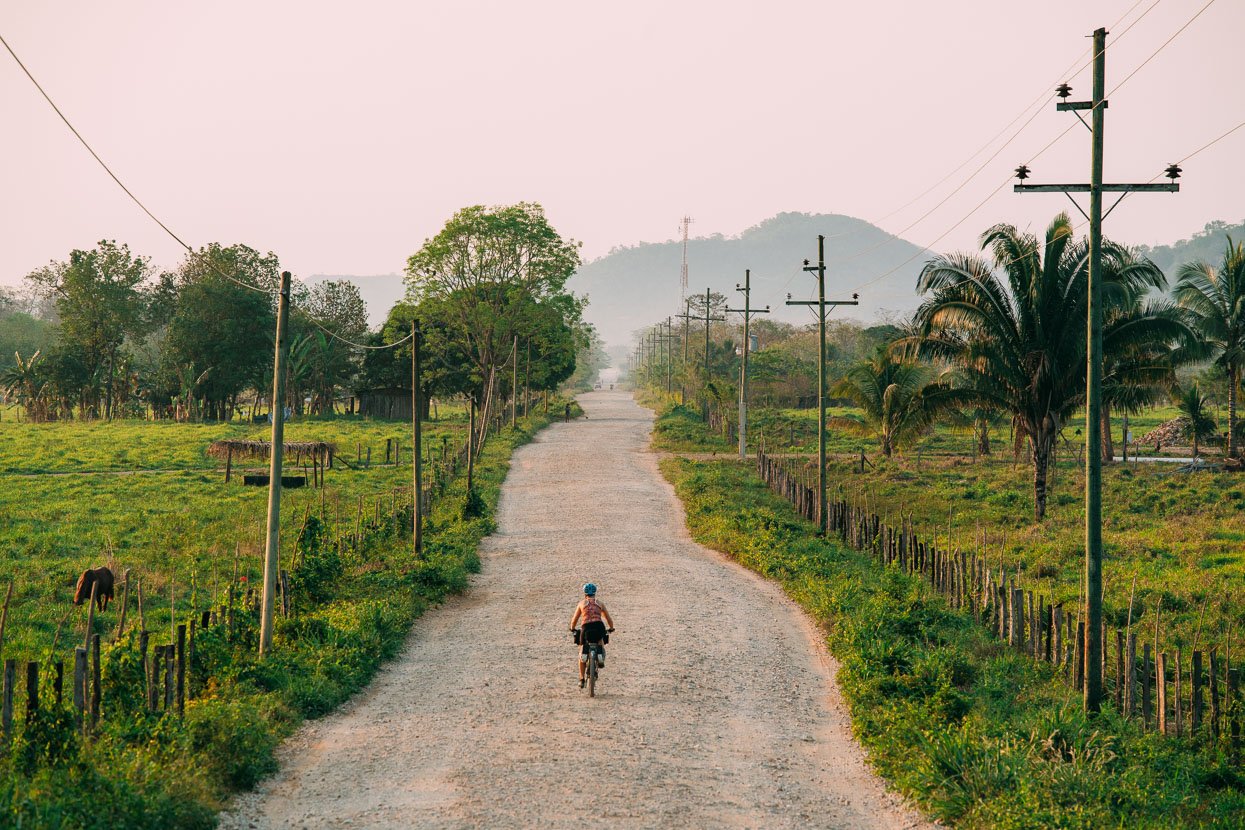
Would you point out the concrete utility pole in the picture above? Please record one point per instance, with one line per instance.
(417, 406)
(747, 311)
(686, 316)
(1093, 349)
(276, 457)
(821, 302)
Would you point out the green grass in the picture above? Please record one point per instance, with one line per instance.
(1177, 534)
(149, 770)
(976, 735)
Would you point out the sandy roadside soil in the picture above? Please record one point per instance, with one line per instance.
(717, 706)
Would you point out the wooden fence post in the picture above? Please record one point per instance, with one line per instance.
(1195, 706)
(181, 669)
(1080, 656)
(1179, 713)
(169, 671)
(32, 691)
(125, 604)
(144, 637)
(1145, 687)
(1234, 709)
(1160, 680)
(58, 682)
(79, 683)
(1130, 677)
(95, 673)
(1214, 693)
(6, 705)
(1119, 670)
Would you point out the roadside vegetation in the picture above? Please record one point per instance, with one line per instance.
(975, 734)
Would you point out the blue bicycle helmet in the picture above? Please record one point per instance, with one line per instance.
(590, 589)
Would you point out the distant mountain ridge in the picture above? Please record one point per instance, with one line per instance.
(635, 285)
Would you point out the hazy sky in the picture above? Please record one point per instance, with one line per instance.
(341, 135)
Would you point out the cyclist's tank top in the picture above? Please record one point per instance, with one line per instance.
(592, 611)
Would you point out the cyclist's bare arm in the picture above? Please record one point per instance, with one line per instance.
(606, 614)
(579, 610)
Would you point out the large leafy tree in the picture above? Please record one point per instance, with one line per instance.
(100, 299)
(1013, 326)
(1216, 299)
(219, 340)
(481, 279)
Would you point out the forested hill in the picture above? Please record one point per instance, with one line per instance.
(1207, 245)
(634, 286)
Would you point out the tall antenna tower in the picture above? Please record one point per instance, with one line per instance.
(683, 226)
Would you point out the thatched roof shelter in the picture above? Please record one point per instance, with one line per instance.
(319, 452)
(232, 447)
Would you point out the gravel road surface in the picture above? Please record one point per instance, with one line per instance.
(716, 708)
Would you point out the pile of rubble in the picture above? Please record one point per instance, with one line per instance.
(1169, 434)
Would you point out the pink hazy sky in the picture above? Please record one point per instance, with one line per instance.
(341, 135)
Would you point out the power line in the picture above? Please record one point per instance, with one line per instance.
(1073, 69)
(1048, 145)
(156, 219)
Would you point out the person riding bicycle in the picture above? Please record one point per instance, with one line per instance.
(590, 612)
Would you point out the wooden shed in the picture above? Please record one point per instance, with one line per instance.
(390, 403)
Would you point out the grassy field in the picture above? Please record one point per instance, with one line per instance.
(977, 735)
(1177, 534)
(179, 525)
(179, 529)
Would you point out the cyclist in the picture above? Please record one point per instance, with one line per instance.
(590, 612)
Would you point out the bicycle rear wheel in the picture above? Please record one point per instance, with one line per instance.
(592, 672)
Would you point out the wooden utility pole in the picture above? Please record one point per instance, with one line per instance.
(707, 318)
(417, 405)
(747, 312)
(274, 467)
(514, 383)
(1093, 349)
(821, 302)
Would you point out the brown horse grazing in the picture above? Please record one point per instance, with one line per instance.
(100, 577)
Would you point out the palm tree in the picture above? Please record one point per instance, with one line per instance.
(1014, 327)
(1216, 299)
(1194, 409)
(900, 399)
(1138, 372)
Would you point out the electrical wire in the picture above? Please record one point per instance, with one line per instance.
(1040, 152)
(1068, 74)
(155, 218)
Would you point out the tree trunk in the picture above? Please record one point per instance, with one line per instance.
(1041, 444)
(1108, 446)
(1232, 410)
(983, 437)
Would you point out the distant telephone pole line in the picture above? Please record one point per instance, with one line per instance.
(1093, 349)
(821, 302)
(747, 311)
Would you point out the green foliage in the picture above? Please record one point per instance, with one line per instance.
(977, 735)
(680, 428)
(318, 565)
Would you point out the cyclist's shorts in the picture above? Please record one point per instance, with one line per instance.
(594, 632)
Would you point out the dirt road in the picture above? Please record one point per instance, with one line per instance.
(716, 707)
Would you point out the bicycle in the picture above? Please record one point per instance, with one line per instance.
(590, 671)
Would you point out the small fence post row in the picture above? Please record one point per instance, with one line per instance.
(1172, 689)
